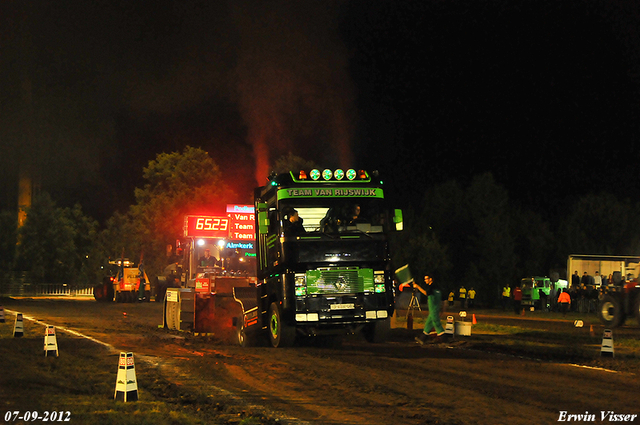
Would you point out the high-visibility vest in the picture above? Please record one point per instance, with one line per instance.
(451, 296)
(564, 298)
(463, 293)
(506, 292)
(472, 294)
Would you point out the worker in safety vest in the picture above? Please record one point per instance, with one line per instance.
(462, 295)
(472, 297)
(452, 296)
(565, 301)
(506, 296)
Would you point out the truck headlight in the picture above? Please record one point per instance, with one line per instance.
(300, 281)
(378, 276)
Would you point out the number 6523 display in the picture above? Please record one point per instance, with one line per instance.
(200, 226)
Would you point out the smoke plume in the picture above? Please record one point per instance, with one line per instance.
(293, 87)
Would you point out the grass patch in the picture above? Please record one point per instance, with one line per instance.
(82, 381)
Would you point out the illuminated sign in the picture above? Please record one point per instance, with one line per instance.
(206, 226)
(202, 285)
(330, 192)
(242, 222)
(240, 209)
(239, 245)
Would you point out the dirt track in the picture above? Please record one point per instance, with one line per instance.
(359, 383)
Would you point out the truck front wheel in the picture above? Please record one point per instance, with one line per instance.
(377, 331)
(610, 311)
(280, 334)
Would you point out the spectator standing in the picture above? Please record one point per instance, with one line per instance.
(573, 294)
(575, 279)
(452, 297)
(565, 301)
(593, 299)
(462, 295)
(517, 299)
(553, 297)
(506, 296)
(585, 279)
(597, 279)
(472, 298)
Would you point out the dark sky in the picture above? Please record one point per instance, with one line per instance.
(544, 94)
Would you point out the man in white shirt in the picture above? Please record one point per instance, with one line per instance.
(597, 279)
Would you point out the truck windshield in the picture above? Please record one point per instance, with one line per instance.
(335, 215)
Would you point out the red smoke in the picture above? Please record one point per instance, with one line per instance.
(294, 90)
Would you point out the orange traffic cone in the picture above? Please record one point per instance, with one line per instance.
(522, 314)
(474, 321)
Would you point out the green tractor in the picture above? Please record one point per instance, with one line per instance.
(536, 290)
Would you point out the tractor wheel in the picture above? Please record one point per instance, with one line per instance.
(98, 292)
(280, 334)
(610, 311)
(377, 331)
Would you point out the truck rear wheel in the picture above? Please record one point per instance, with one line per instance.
(280, 334)
(377, 331)
(610, 311)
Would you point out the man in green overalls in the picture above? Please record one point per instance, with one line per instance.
(434, 301)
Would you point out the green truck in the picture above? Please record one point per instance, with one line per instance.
(536, 290)
(323, 262)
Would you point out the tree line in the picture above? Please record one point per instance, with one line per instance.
(476, 237)
(471, 235)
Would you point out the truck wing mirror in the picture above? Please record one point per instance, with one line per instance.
(263, 223)
(397, 219)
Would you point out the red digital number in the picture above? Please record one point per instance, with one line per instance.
(205, 226)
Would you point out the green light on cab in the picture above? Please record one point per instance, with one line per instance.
(315, 174)
(339, 174)
(351, 174)
(327, 174)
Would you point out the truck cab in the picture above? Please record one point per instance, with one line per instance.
(323, 261)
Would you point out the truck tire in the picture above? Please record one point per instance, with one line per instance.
(377, 331)
(280, 334)
(610, 311)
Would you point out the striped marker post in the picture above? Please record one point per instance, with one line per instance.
(50, 341)
(606, 349)
(18, 327)
(126, 384)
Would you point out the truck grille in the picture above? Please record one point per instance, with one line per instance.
(339, 281)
